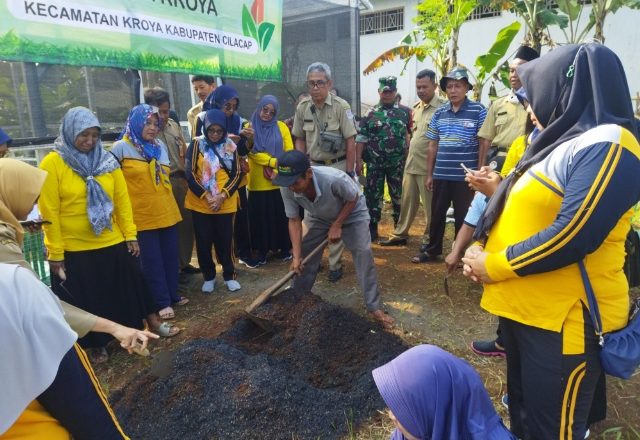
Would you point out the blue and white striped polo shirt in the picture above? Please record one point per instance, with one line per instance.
(457, 136)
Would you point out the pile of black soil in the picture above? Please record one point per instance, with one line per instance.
(309, 379)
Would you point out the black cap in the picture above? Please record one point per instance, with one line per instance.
(526, 53)
(291, 166)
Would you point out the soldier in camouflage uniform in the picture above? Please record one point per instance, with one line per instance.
(383, 139)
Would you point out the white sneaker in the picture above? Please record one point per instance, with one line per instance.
(232, 285)
(208, 286)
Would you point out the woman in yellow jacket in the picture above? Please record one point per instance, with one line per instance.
(145, 165)
(91, 241)
(213, 175)
(267, 219)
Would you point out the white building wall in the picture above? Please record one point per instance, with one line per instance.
(622, 34)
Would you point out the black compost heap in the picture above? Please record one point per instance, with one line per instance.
(309, 379)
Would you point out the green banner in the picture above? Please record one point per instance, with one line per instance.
(232, 38)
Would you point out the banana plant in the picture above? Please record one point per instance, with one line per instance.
(435, 36)
(488, 64)
(538, 15)
(574, 9)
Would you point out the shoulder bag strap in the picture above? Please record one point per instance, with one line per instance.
(593, 304)
(315, 117)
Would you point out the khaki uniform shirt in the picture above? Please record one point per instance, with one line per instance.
(422, 114)
(176, 147)
(505, 121)
(192, 114)
(335, 115)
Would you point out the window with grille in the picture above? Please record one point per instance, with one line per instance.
(553, 4)
(382, 21)
(483, 12)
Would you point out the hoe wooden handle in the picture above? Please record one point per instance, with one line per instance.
(282, 281)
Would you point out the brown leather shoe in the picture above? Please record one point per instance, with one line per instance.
(393, 241)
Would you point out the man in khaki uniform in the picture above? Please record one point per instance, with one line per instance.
(506, 118)
(171, 134)
(203, 85)
(324, 130)
(414, 190)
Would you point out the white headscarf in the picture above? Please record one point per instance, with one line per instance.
(34, 338)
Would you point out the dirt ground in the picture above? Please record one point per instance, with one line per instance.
(413, 294)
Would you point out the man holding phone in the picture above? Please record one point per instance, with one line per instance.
(453, 149)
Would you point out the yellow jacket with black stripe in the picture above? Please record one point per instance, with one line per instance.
(153, 204)
(228, 183)
(573, 205)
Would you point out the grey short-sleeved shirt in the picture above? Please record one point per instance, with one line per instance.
(333, 189)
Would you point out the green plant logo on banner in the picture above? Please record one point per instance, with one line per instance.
(215, 37)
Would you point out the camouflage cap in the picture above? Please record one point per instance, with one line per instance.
(458, 73)
(387, 83)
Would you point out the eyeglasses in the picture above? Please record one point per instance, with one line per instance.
(268, 111)
(316, 84)
(215, 130)
(229, 106)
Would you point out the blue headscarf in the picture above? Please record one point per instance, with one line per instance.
(223, 150)
(137, 119)
(149, 150)
(212, 117)
(266, 135)
(5, 138)
(437, 396)
(87, 165)
(217, 99)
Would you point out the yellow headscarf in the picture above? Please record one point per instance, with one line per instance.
(20, 186)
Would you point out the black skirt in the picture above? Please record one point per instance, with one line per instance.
(268, 221)
(107, 282)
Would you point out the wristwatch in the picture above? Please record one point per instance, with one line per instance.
(351, 174)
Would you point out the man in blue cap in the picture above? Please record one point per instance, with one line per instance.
(453, 148)
(334, 210)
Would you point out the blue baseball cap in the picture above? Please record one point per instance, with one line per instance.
(291, 166)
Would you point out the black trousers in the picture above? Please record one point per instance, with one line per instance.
(76, 400)
(242, 233)
(214, 230)
(552, 395)
(446, 192)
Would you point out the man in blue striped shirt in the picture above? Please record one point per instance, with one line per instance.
(453, 142)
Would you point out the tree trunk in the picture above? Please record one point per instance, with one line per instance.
(453, 59)
(600, 13)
